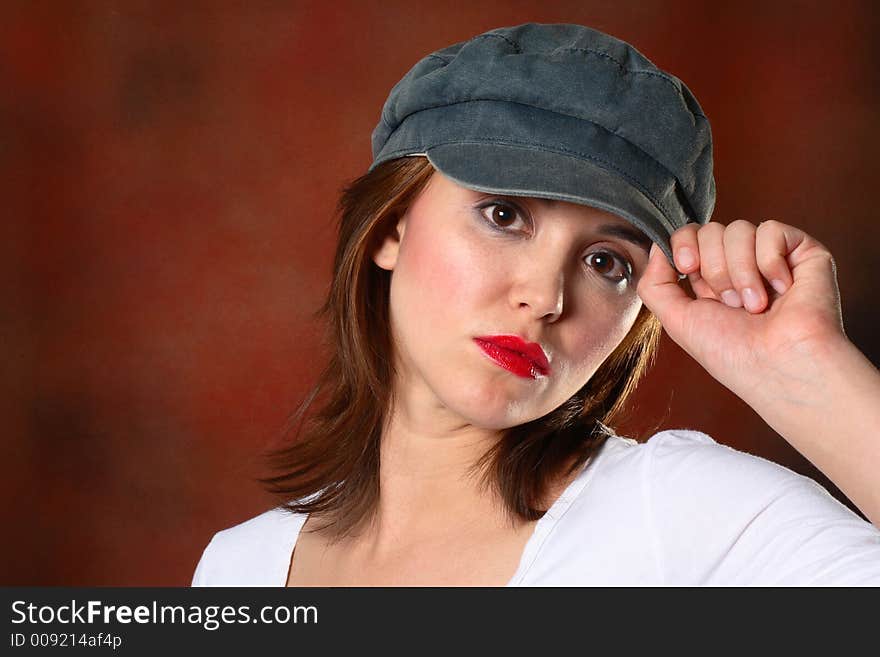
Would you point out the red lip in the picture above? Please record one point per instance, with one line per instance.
(526, 359)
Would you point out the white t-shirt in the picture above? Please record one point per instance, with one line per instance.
(679, 509)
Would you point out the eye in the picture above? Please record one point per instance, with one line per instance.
(501, 216)
(610, 265)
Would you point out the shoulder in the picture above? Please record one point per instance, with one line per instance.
(622, 459)
(688, 470)
(679, 458)
(683, 508)
(684, 454)
(253, 553)
(723, 516)
(623, 451)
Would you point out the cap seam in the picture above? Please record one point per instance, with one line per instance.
(676, 84)
(544, 109)
(514, 44)
(566, 151)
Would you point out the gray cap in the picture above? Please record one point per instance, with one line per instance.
(562, 112)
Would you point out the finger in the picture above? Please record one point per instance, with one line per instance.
(742, 265)
(685, 248)
(774, 241)
(661, 293)
(700, 287)
(713, 264)
(686, 251)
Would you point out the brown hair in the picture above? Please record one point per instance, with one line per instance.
(331, 466)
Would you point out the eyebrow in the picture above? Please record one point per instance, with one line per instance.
(632, 235)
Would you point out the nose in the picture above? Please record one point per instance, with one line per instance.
(541, 292)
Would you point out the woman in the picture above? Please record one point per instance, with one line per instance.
(502, 275)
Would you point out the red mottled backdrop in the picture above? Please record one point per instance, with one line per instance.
(168, 173)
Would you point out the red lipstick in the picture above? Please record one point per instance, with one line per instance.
(525, 359)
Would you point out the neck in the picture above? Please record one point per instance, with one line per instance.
(427, 474)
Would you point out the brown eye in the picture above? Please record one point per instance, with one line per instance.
(503, 215)
(610, 265)
(603, 262)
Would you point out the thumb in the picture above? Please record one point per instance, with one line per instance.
(661, 293)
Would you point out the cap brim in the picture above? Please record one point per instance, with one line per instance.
(519, 171)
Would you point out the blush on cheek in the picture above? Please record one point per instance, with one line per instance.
(431, 284)
(431, 281)
(440, 266)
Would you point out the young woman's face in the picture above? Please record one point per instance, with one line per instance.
(470, 265)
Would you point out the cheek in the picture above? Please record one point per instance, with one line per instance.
(432, 271)
(600, 333)
(439, 271)
(620, 329)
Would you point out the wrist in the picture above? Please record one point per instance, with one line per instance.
(810, 375)
(827, 387)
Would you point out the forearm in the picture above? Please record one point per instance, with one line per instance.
(830, 412)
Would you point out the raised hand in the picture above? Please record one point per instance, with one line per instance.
(766, 323)
(766, 301)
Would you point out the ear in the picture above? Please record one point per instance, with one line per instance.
(385, 254)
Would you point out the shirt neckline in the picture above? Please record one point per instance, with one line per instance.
(543, 528)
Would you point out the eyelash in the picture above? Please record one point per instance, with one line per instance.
(624, 263)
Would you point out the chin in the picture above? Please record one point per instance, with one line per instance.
(492, 411)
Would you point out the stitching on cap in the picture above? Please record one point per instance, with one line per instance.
(567, 151)
(620, 64)
(513, 44)
(622, 67)
(655, 74)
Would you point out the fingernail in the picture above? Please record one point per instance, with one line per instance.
(751, 299)
(731, 298)
(778, 285)
(685, 258)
